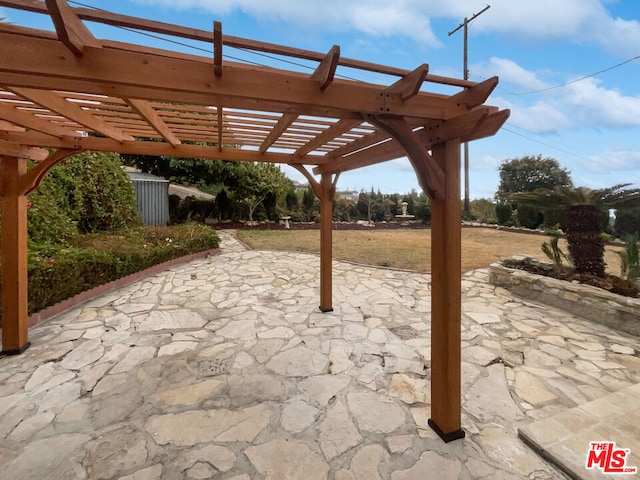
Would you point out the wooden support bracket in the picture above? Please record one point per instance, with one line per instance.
(72, 32)
(430, 174)
(34, 176)
(313, 183)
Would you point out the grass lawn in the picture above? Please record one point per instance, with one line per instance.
(409, 249)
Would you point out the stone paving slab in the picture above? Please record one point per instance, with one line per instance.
(224, 368)
(564, 438)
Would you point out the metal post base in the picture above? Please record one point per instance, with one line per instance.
(16, 351)
(446, 437)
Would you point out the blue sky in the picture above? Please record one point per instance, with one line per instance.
(542, 51)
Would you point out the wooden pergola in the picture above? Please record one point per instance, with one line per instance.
(67, 91)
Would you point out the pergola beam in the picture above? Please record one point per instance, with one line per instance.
(330, 133)
(29, 120)
(22, 151)
(155, 77)
(56, 103)
(147, 148)
(146, 111)
(284, 122)
(110, 18)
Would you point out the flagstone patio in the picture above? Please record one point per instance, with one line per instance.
(224, 368)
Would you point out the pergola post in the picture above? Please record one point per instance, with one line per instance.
(14, 257)
(327, 191)
(446, 297)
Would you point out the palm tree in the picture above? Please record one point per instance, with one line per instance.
(582, 208)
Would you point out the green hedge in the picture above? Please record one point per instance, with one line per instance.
(58, 272)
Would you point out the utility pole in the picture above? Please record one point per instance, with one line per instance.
(465, 25)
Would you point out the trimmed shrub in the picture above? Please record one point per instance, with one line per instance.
(551, 218)
(57, 272)
(627, 222)
(503, 213)
(529, 217)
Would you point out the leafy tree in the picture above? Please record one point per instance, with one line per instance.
(309, 204)
(291, 199)
(255, 181)
(344, 210)
(246, 183)
(367, 204)
(627, 222)
(483, 209)
(582, 212)
(529, 173)
(423, 208)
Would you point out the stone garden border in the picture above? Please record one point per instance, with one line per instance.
(589, 302)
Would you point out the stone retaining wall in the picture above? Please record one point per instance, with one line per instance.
(592, 303)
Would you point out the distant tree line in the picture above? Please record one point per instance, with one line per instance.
(529, 174)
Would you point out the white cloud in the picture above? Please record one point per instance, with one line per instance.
(484, 162)
(618, 158)
(377, 18)
(540, 117)
(582, 21)
(593, 104)
(585, 103)
(509, 71)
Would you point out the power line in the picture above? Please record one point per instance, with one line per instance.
(578, 79)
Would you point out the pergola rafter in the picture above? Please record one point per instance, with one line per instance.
(69, 91)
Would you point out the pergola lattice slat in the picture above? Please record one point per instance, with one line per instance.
(69, 91)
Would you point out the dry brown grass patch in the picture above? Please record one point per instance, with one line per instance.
(409, 249)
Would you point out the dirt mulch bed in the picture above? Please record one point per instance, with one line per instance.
(610, 283)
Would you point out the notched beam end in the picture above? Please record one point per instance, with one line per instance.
(409, 85)
(71, 31)
(489, 126)
(22, 151)
(476, 95)
(326, 71)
